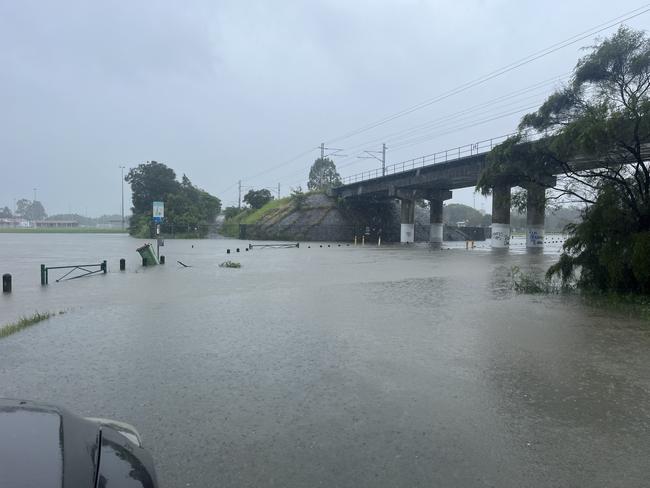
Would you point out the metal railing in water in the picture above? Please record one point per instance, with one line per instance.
(81, 269)
(454, 154)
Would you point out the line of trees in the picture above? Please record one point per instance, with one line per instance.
(25, 209)
(186, 205)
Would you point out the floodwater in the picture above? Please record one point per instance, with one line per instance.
(334, 366)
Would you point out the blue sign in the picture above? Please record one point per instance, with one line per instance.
(158, 211)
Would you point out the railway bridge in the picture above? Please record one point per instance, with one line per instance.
(433, 177)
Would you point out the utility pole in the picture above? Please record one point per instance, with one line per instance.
(382, 160)
(278, 191)
(122, 168)
(35, 194)
(239, 204)
(335, 153)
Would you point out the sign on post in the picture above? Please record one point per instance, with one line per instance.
(158, 211)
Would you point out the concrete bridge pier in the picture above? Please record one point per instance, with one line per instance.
(407, 199)
(436, 199)
(501, 216)
(535, 213)
(407, 221)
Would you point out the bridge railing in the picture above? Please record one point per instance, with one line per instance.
(429, 159)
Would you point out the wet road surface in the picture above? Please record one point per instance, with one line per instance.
(344, 366)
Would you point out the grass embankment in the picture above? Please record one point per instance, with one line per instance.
(26, 322)
(253, 216)
(61, 230)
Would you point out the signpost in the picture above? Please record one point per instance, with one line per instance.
(158, 217)
(158, 212)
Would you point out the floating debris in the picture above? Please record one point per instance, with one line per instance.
(230, 264)
(273, 246)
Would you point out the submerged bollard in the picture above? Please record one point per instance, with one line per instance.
(227, 251)
(379, 241)
(43, 275)
(103, 266)
(122, 264)
(237, 249)
(162, 259)
(6, 283)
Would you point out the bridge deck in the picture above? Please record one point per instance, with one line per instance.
(446, 170)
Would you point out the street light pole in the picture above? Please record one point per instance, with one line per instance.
(122, 168)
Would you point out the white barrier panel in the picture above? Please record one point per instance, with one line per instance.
(535, 236)
(407, 233)
(500, 235)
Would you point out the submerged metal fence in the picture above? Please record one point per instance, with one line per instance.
(81, 269)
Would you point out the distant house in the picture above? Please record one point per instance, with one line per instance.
(55, 223)
(14, 223)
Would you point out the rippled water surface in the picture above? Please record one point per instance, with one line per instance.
(334, 366)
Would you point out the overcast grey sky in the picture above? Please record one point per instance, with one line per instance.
(222, 90)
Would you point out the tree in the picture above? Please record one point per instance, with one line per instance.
(30, 210)
(258, 198)
(323, 175)
(150, 182)
(191, 206)
(230, 212)
(37, 211)
(22, 207)
(602, 115)
(5, 213)
(186, 205)
(298, 198)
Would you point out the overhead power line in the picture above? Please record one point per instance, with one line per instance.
(430, 136)
(444, 130)
(469, 110)
(501, 71)
(420, 140)
(471, 84)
